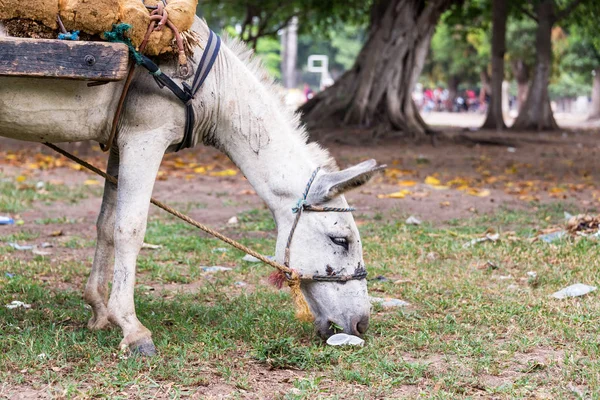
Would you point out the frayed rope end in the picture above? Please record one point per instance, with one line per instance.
(302, 310)
(278, 278)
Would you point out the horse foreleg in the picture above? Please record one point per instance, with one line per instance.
(140, 157)
(96, 289)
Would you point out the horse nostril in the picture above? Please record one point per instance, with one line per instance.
(362, 325)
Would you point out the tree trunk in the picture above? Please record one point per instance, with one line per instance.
(494, 119)
(289, 50)
(595, 110)
(521, 73)
(377, 92)
(536, 113)
(453, 83)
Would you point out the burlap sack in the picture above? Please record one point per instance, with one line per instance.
(98, 16)
(44, 11)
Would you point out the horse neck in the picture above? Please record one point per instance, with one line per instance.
(259, 136)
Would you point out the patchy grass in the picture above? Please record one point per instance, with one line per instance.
(19, 197)
(478, 325)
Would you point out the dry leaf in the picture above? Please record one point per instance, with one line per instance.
(478, 192)
(407, 183)
(396, 195)
(21, 178)
(226, 172)
(91, 182)
(431, 180)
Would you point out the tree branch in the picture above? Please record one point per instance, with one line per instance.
(568, 9)
(527, 12)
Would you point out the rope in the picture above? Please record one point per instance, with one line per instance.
(302, 310)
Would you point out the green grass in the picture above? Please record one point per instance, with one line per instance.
(472, 330)
(16, 198)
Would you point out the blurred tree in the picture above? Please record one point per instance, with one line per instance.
(377, 91)
(582, 56)
(494, 118)
(458, 54)
(536, 113)
(255, 19)
(520, 40)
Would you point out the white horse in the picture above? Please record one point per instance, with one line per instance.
(238, 112)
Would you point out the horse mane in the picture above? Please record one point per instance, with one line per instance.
(320, 155)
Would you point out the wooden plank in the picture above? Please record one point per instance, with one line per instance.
(46, 58)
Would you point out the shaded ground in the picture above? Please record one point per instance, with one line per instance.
(479, 325)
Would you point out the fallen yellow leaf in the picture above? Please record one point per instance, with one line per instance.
(200, 170)
(91, 182)
(407, 183)
(556, 190)
(225, 172)
(430, 180)
(396, 195)
(478, 192)
(21, 178)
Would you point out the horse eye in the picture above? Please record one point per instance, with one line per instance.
(340, 241)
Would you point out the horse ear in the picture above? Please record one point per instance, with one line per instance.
(332, 184)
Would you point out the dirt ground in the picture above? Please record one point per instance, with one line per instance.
(478, 172)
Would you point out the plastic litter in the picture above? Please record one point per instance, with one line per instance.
(6, 220)
(19, 247)
(151, 246)
(552, 237)
(343, 339)
(412, 220)
(46, 245)
(389, 302)
(40, 252)
(17, 304)
(491, 237)
(575, 290)
(250, 258)
(232, 221)
(216, 268)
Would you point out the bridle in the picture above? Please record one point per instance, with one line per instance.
(302, 206)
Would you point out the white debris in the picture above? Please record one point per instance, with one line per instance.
(576, 290)
(41, 252)
(343, 339)
(17, 246)
(412, 220)
(389, 302)
(42, 356)
(233, 221)
(240, 284)
(511, 149)
(216, 268)
(532, 274)
(220, 250)
(250, 258)
(151, 246)
(17, 304)
(491, 237)
(552, 237)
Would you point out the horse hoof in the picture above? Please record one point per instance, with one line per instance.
(143, 347)
(97, 324)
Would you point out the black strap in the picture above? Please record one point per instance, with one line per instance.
(187, 93)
